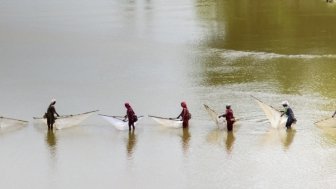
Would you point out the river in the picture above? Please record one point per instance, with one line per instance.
(154, 54)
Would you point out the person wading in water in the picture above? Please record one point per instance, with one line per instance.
(50, 115)
(185, 115)
(132, 118)
(230, 119)
(289, 113)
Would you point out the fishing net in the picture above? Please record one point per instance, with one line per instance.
(273, 115)
(69, 120)
(329, 122)
(9, 122)
(118, 123)
(214, 116)
(167, 122)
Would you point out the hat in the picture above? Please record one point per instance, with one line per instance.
(285, 103)
(53, 100)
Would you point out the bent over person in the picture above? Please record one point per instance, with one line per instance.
(185, 115)
(131, 116)
(50, 115)
(230, 119)
(289, 113)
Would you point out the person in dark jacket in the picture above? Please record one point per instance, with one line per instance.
(185, 114)
(130, 115)
(230, 119)
(50, 115)
(289, 113)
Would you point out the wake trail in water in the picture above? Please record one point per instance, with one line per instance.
(232, 54)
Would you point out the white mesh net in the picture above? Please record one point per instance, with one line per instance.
(68, 120)
(167, 122)
(10, 122)
(329, 122)
(214, 116)
(273, 115)
(118, 123)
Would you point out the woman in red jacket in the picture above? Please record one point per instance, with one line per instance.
(130, 115)
(230, 119)
(185, 115)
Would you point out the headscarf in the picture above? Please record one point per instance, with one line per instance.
(128, 106)
(184, 104)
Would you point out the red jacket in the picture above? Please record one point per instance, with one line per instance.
(229, 115)
(185, 114)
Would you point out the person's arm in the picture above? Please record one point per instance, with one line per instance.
(125, 117)
(54, 110)
(224, 115)
(180, 115)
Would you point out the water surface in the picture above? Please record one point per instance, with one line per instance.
(154, 54)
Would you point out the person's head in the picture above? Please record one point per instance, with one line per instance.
(228, 106)
(53, 101)
(127, 105)
(184, 104)
(285, 103)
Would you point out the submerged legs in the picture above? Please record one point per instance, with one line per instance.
(50, 123)
(130, 125)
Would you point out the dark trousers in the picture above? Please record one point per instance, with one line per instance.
(131, 124)
(229, 125)
(289, 122)
(185, 124)
(50, 122)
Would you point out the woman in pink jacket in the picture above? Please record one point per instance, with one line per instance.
(185, 115)
(130, 115)
(230, 119)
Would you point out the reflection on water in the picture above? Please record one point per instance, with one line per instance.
(230, 138)
(131, 142)
(268, 29)
(51, 142)
(241, 50)
(185, 139)
(222, 138)
(289, 136)
(277, 135)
